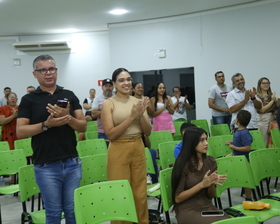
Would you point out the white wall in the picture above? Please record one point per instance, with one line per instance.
(240, 39)
(78, 71)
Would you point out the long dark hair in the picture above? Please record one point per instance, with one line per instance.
(156, 94)
(187, 157)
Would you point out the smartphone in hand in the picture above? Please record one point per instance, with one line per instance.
(62, 103)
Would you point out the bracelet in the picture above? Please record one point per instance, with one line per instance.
(253, 98)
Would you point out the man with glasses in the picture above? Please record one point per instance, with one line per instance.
(4, 100)
(107, 88)
(51, 115)
(180, 104)
(217, 100)
(240, 98)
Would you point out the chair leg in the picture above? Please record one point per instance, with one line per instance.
(159, 203)
(0, 215)
(219, 203)
(254, 194)
(167, 217)
(229, 197)
(275, 185)
(267, 185)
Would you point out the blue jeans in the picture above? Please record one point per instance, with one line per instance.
(102, 135)
(154, 158)
(57, 182)
(222, 119)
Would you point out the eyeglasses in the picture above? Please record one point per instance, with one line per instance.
(12, 97)
(44, 71)
(265, 83)
(129, 79)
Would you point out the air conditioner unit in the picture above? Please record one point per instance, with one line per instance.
(54, 45)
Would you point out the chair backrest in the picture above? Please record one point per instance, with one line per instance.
(181, 120)
(239, 220)
(217, 146)
(92, 123)
(203, 123)
(11, 161)
(91, 147)
(106, 201)
(238, 173)
(94, 168)
(149, 162)
(166, 188)
(157, 137)
(177, 125)
(92, 128)
(275, 134)
(27, 182)
(166, 153)
(25, 145)
(91, 135)
(4, 146)
(258, 140)
(220, 129)
(265, 163)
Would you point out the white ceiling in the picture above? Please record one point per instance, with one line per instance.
(29, 17)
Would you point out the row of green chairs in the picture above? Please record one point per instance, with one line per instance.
(264, 163)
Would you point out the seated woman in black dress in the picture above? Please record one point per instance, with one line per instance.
(194, 178)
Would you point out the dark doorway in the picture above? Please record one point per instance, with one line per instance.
(182, 77)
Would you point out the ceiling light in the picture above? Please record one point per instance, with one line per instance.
(118, 11)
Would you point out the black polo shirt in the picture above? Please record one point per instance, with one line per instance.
(56, 143)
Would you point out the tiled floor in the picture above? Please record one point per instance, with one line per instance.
(11, 206)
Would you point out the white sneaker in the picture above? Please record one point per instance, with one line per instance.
(149, 180)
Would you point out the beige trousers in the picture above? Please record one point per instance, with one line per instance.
(126, 160)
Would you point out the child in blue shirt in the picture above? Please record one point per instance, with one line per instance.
(242, 140)
(179, 146)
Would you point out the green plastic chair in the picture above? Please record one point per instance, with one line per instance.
(10, 162)
(181, 120)
(4, 146)
(177, 125)
(258, 140)
(91, 147)
(239, 174)
(157, 137)
(217, 146)
(92, 128)
(92, 123)
(275, 134)
(239, 220)
(25, 145)
(220, 129)
(91, 135)
(105, 201)
(29, 188)
(203, 123)
(166, 153)
(166, 191)
(94, 169)
(265, 163)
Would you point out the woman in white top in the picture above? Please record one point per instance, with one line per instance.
(87, 105)
(161, 109)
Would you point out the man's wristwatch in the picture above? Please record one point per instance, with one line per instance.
(44, 127)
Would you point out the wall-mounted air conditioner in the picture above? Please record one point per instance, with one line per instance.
(55, 45)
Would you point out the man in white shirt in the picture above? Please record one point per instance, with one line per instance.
(217, 100)
(180, 104)
(4, 100)
(240, 98)
(107, 88)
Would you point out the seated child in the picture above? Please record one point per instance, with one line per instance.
(242, 140)
(179, 146)
(272, 125)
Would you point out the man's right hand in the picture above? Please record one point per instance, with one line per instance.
(57, 121)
